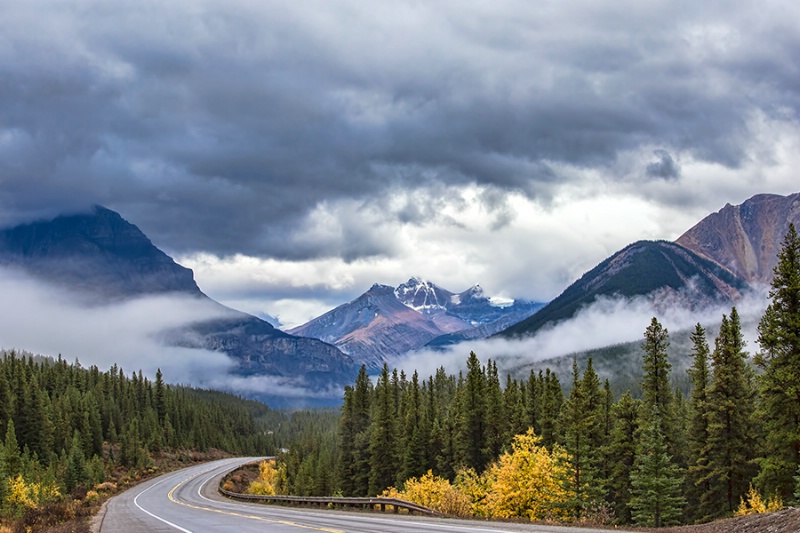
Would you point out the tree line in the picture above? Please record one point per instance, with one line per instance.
(657, 459)
(65, 428)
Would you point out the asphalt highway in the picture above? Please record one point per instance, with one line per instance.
(187, 500)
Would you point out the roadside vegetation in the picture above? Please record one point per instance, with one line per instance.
(71, 436)
(475, 444)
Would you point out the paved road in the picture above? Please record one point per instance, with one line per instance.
(188, 501)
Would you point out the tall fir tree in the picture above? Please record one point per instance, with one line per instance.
(730, 445)
(698, 480)
(656, 482)
(621, 455)
(383, 436)
(779, 359)
(471, 411)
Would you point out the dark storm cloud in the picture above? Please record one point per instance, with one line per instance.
(664, 167)
(220, 126)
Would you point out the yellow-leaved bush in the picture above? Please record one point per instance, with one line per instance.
(528, 482)
(23, 495)
(755, 504)
(271, 479)
(434, 493)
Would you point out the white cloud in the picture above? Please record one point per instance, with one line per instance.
(45, 320)
(606, 322)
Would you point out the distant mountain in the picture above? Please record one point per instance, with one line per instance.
(640, 269)
(98, 253)
(101, 255)
(745, 238)
(385, 322)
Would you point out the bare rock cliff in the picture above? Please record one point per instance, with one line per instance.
(746, 238)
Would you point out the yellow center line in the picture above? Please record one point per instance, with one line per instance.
(171, 496)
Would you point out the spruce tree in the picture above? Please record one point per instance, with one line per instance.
(495, 418)
(383, 436)
(656, 392)
(621, 455)
(583, 424)
(779, 358)
(471, 411)
(730, 444)
(656, 483)
(698, 482)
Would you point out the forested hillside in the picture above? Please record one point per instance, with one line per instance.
(67, 429)
(468, 445)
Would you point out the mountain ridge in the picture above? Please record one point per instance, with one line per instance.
(385, 323)
(103, 256)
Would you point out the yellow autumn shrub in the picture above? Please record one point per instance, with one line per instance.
(434, 493)
(528, 481)
(23, 495)
(755, 504)
(270, 479)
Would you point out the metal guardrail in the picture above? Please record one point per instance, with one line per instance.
(324, 501)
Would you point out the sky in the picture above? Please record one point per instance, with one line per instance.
(294, 153)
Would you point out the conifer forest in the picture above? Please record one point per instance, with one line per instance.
(472, 444)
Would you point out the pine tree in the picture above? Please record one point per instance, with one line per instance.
(383, 436)
(730, 426)
(495, 418)
(160, 397)
(622, 454)
(471, 411)
(552, 398)
(656, 392)
(656, 483)
(76, 473)
(13, 457)
(582, 423)
(698, 482)
(779, 339)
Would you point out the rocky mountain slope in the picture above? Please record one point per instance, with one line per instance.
(660, 269)
(102, 256)
(745, 238)
(98, 254)
(385, 322)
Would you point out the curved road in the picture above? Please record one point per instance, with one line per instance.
(188, 501)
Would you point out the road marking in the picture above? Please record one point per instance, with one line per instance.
(171, 496)
(136, 503)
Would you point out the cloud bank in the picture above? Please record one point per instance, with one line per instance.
(606, 322)
(512, 144)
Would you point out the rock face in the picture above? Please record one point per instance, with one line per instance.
(373, 328)
(659, 269)
(101, 255)
(746, 238)
(385, 322)
(97, 253)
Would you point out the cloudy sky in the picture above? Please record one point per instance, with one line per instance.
(294, 153)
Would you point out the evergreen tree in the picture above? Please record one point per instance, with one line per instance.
(11, 453)
(656, 392)
(730, 426)
(582, 423)
(656, 483)
(415, 437)
(552, 398)
(160, 397)
(622, 454)
(471, 411)
(495, 422)
(383, 435)
(76, 472)
(779, 358)
(698, 480)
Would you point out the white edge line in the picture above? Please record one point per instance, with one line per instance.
(136, 503)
